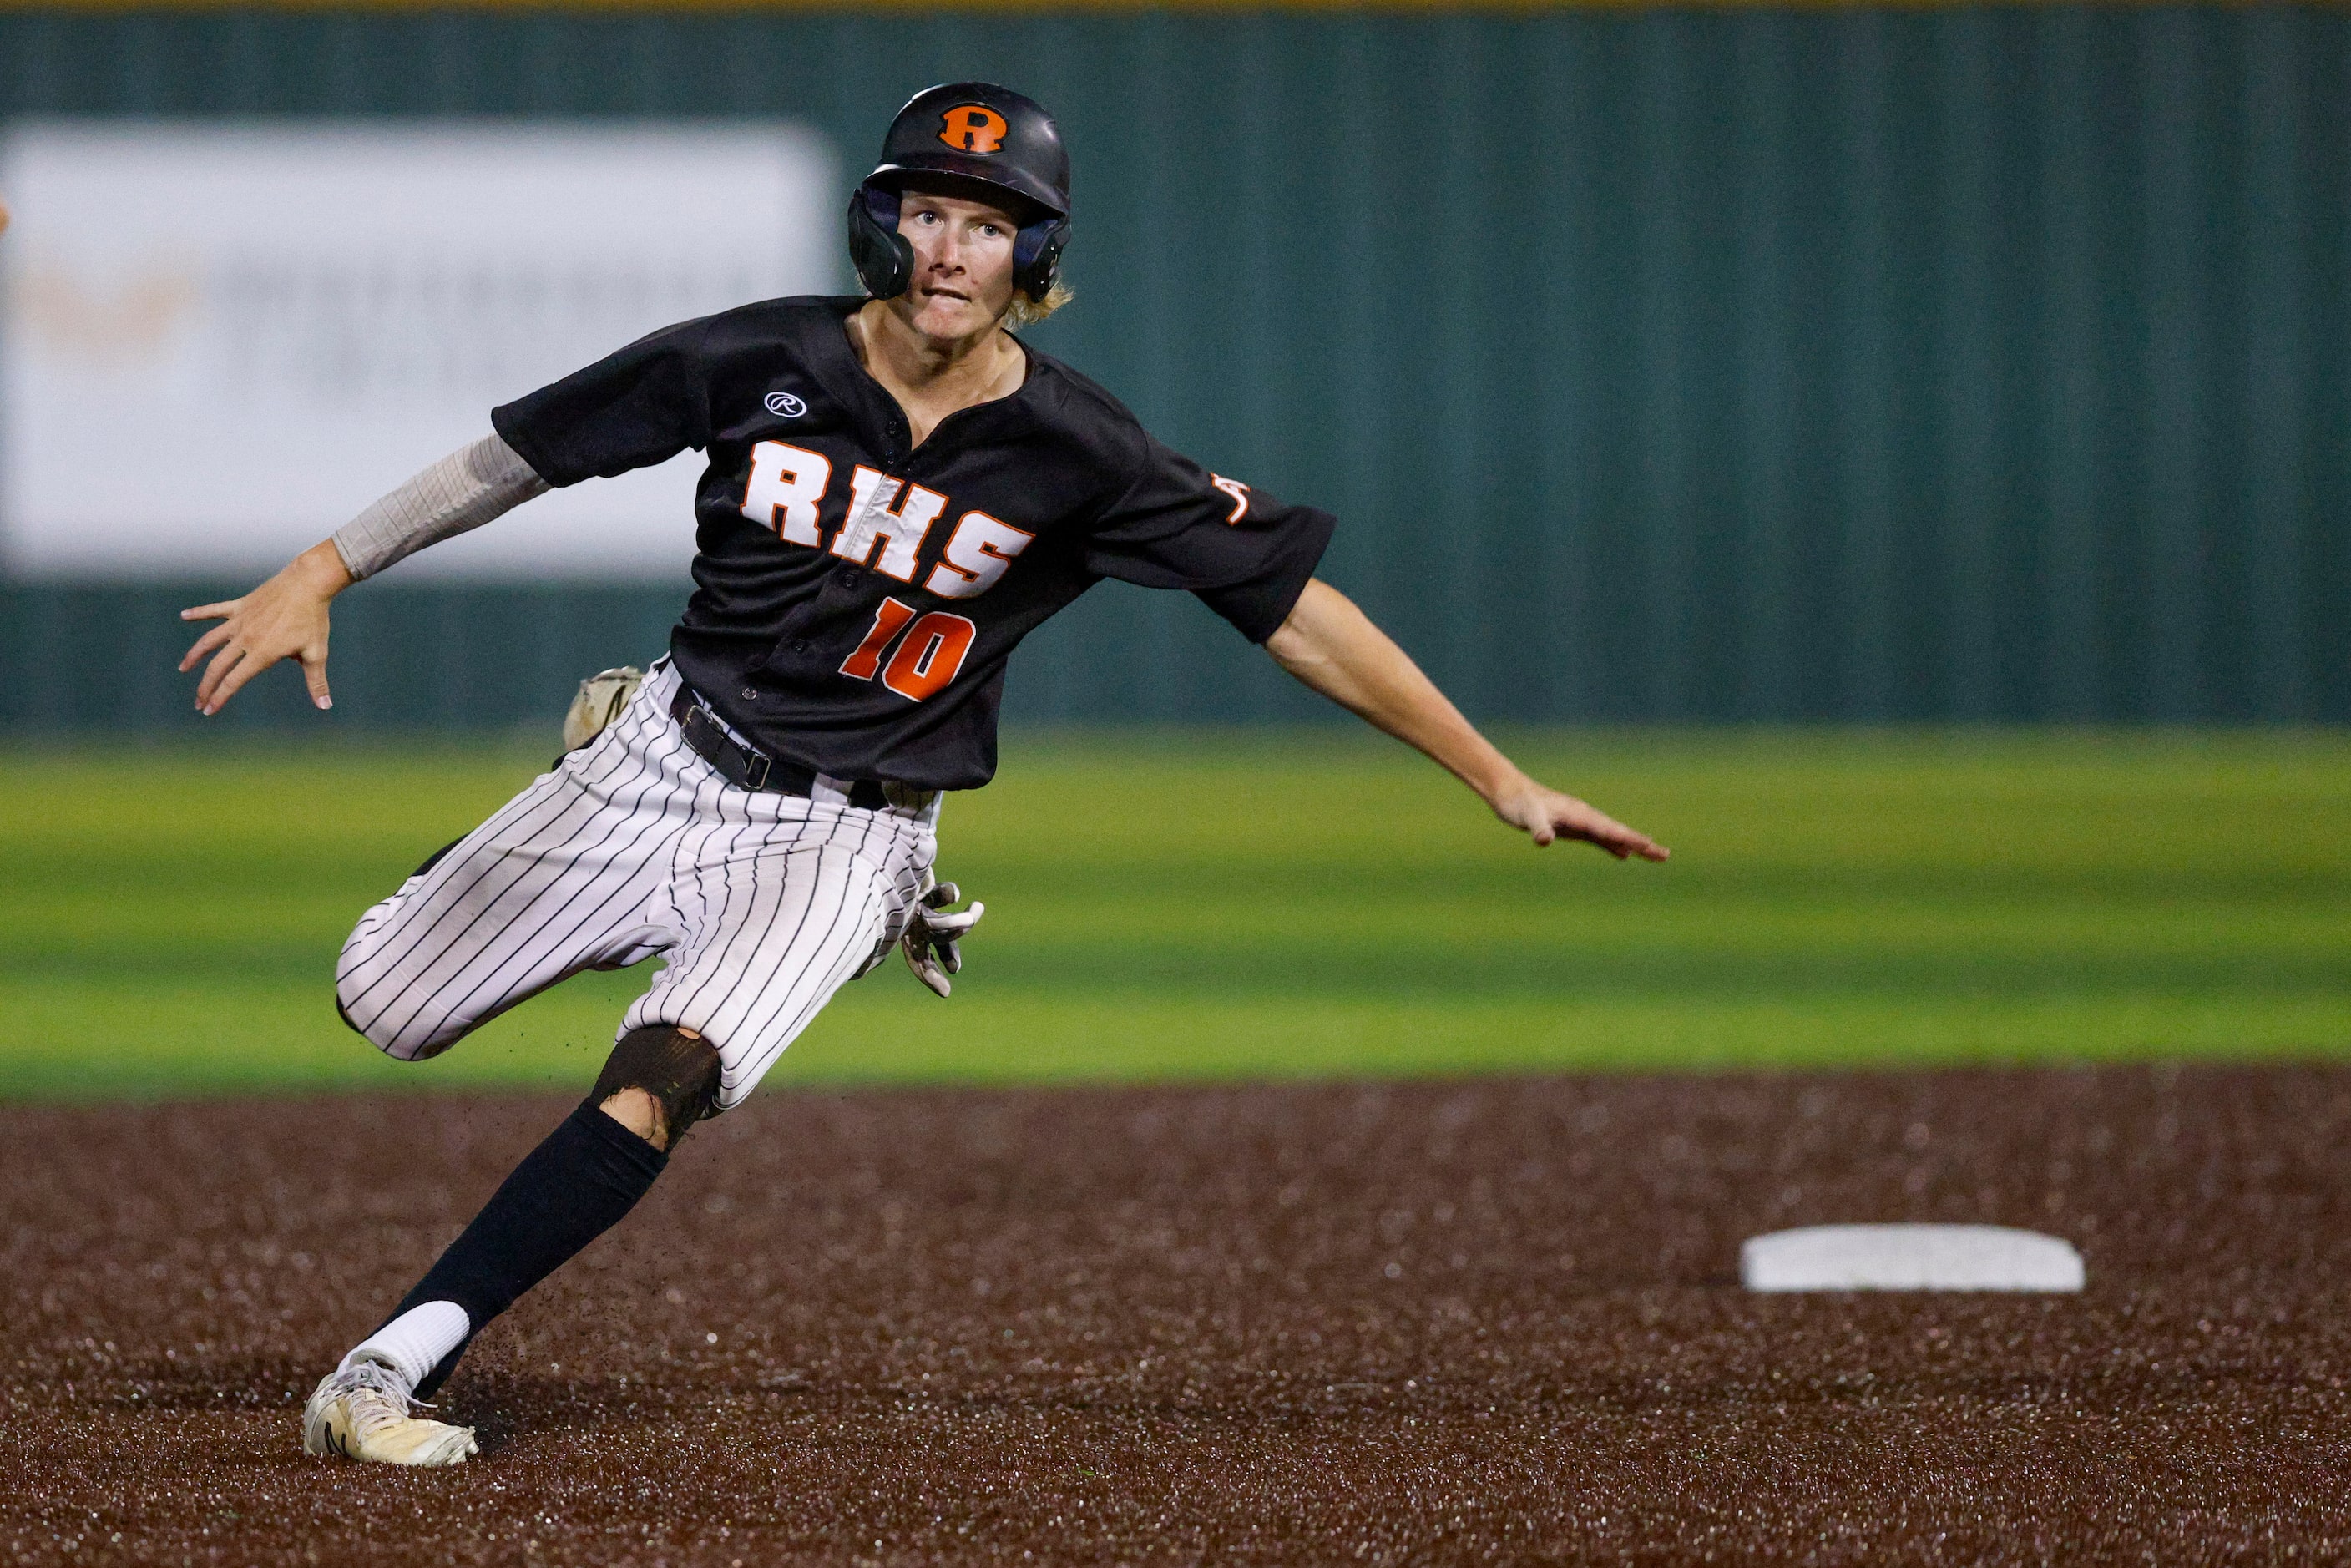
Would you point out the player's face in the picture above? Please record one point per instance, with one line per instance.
(963, 264)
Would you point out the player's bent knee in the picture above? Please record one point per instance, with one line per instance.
(675, 1071)
(376, 1032)
(418, 1040)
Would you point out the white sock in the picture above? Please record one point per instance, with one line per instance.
(413, 1343)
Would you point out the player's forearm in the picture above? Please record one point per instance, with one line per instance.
(472, 486)
(1333, 647)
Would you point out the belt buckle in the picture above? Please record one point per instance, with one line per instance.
(755, 768)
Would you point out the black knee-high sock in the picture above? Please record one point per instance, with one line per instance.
(565, 1193)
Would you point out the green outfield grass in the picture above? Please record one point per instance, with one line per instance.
(1282, 903)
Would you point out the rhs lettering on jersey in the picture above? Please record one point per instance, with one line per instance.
(786, 488)
(898, 525)
(785, 485)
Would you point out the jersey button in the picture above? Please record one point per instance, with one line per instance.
(750, 694)
(800, 644)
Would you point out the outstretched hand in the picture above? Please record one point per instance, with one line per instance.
(1333, 647)
(284, 618)
(1545, 814)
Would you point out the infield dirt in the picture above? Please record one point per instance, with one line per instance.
(1493, 1320)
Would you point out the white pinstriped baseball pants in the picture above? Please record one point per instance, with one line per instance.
(762, 905)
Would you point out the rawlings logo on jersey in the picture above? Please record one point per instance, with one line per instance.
(974, 128)
(786, 405)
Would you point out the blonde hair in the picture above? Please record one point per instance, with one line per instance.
(1028, 312)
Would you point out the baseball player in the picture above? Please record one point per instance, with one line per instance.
(898, 491)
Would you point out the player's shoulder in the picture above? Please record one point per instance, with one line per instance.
(794, 320)
(1082, 405)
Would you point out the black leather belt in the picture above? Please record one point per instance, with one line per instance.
(748, 769)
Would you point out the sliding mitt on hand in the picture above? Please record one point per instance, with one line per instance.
(932, 935)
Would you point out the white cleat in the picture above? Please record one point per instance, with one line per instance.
(362, 1413)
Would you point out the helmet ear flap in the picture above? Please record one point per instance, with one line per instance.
(884, 260)
(1037, 256)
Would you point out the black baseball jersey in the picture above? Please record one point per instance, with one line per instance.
(856, 600)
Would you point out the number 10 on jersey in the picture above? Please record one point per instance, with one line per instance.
(928, 655)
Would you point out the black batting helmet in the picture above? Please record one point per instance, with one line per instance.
(970, 133)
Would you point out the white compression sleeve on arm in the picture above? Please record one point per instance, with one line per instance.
(464, 490)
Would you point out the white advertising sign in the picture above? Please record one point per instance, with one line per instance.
(219, 343)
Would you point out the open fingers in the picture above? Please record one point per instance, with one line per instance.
(1565, 816)
(205, 646)
(227, 607)
(227, 673)
(1603, 831)
(956, 925)
(214, 673)
(232, 680)
(1619, 840)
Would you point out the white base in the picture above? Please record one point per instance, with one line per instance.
(1909, 1257)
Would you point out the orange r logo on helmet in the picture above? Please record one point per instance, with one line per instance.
(974, 128)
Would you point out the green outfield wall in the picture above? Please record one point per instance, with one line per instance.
(1940, 364)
